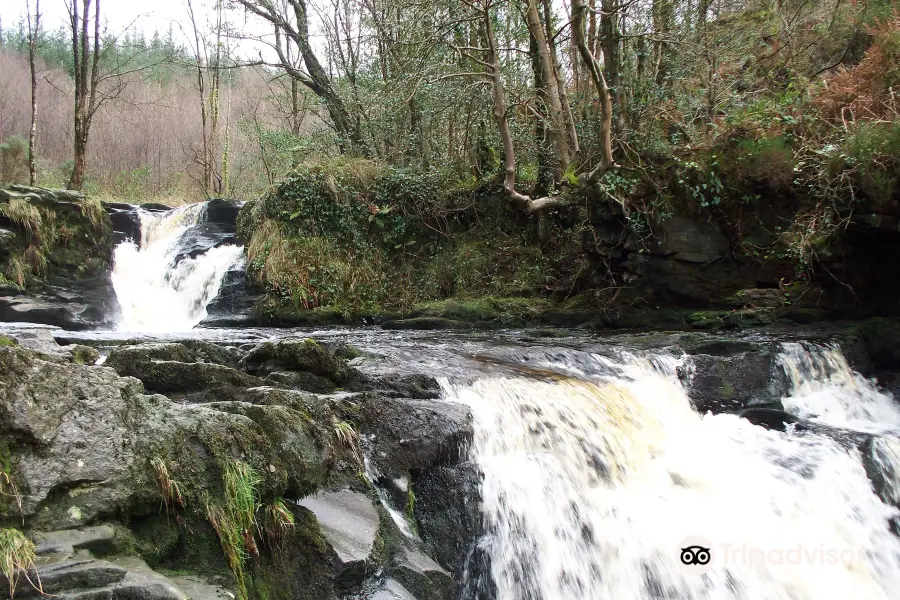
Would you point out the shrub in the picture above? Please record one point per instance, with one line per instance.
(866, 90)
(14, 161)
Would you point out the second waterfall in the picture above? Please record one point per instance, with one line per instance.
(165, 283)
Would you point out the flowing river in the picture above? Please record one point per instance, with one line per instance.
(600, 480)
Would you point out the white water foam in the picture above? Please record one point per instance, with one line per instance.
(591, 487)
(825, 389)
(157, 295)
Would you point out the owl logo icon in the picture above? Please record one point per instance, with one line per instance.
(695, 555)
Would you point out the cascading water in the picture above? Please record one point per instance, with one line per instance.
(592, 486)
(156, 291)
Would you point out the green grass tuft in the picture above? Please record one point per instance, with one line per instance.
(235, 522)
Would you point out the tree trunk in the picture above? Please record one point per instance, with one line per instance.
(87, 79)
(315, 78)
(663, 14)
(296, 118)
(609, 43)
(596, 72)
(568, 117)
(33, 32)
(546, 163)
(549, 89)
(205, 163)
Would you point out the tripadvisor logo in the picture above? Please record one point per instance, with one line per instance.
(695, 555)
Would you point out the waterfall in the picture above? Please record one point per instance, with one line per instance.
(160, 291)
(593, 486)
(826, 390)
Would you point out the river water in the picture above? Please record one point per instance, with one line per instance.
(598, 473)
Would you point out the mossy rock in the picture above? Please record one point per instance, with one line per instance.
(296, 355)
(84, 355)
(170, 376)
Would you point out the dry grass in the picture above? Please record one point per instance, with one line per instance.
(92, 209)
(24, 215)
(168, 487)
(313, 272)
(347, 436)
(17, 559)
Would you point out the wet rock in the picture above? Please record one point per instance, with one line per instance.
(69, 540)
(217, 227)
(349, 523)
(126, 222)
(198, 589)
(173, 367)
(234, 304)
(881, 338)
(296, 355)
(51, 408)
(7, 242)
(39, 340)
(183, 351)
(770, 418)
(414, 434)
(300, 380)
(168, 376)
(391, 589)
(422, 576)
(447, 513)
(404, 386)
(722, 376)
(690, 241)
(155, 207)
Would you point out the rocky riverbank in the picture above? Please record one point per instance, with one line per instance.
(191, 469)
(126, 493)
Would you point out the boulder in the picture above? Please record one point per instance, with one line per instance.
(305, 355)
(126, 222)
(50, 408)
(147, 456)
(300, 380)
(391, 589)
(83, 577)
(235, 302)
(407, 435)
(349, 523)
(415, 385)
(169, 376)
(182, 351)
(448, 516)
(723, 376)
(173, 367)
(423, 576)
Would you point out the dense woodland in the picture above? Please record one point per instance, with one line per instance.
(716, 109)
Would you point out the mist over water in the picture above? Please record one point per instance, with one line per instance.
(158, 293)
(592, 485)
